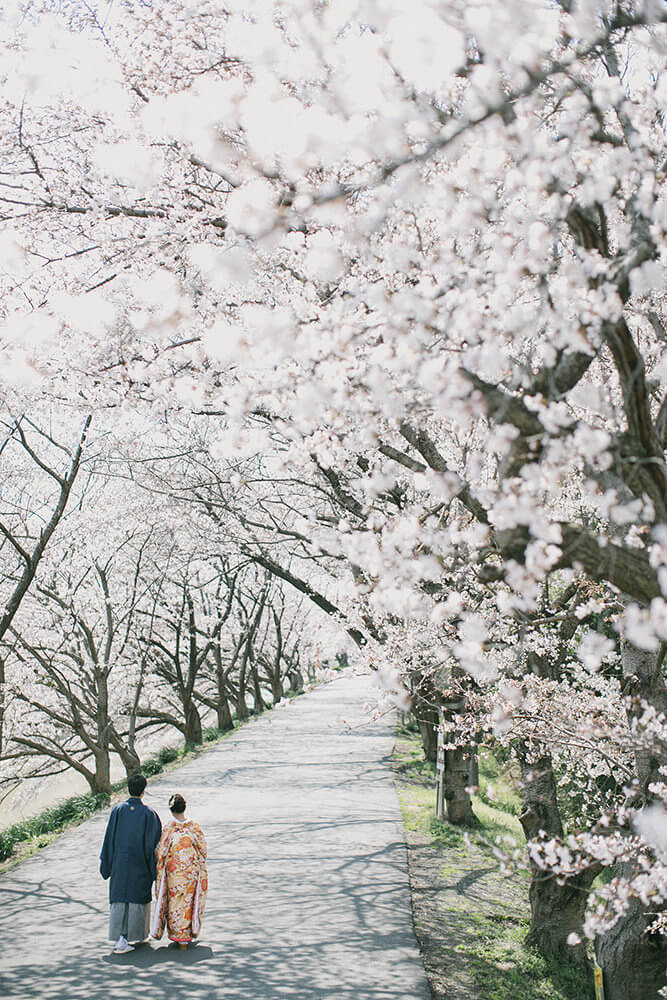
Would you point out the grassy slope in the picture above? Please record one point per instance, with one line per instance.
(483, 914)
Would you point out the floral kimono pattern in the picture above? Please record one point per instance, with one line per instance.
(182, 882)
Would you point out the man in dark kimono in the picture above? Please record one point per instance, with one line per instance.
(128, 857)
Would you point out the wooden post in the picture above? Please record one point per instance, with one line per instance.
(440, 780)
(597, 979)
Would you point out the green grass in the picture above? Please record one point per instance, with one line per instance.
(498, 784)
(497, 820)
(493, 941)
(505, 969)
(51, 821)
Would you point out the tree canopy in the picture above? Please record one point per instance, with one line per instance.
(372, 300)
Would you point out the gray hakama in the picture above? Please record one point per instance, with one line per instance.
(132, 920)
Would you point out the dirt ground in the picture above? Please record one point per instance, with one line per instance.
(451, 891)
(456, 890)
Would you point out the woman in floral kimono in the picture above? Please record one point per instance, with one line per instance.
(182, 880)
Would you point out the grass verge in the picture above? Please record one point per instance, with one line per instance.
(470, 919)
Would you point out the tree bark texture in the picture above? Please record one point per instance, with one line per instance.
(101, 780)
(427, 717)
(224, 715)
(556, 910)
(193, 727)
(257, 692)
(457, 782)
(634, 962)
(295, 678)
(241, 704)
(459, 759)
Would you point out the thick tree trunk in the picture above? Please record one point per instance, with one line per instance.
(130, 759)
(634, 962)
(224, 714)
(241, 705)
(474, 768)
(193, 727)
(222, 707)
(643, 671)
(277, 690)
(100, 782)
(458, 760)
(427, 719)
(457, 782)
(540, 812)
(556, 910)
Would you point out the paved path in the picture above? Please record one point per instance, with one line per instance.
(307, 866)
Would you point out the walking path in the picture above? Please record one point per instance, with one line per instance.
(308, 894)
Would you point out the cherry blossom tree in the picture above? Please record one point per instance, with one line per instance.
(74, 673)
(38, 482)
(377, 249)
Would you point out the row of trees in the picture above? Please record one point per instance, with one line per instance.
(128, 625)
(569, 704)
(376, 300)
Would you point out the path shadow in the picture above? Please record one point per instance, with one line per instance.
(145, 956)
(469, 880)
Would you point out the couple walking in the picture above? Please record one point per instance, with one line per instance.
(136, 853)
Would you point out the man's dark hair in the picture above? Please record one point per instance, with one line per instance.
(136, 784)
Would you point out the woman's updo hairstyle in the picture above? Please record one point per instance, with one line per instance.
(177, 804)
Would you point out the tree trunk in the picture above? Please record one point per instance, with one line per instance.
(222, 707)
(556, 911)
(224, 714)
(257, 693)
(474, 768)
(129, 758)
(427, 719)
(459, 759)
(634, 962)
(193, 729)
(457, 782)
(645, 682)
(101, 780)
(277, 690)
(241, 706)
(295, 680)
